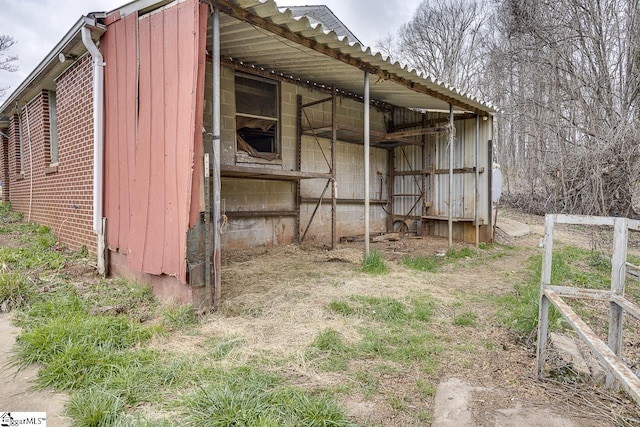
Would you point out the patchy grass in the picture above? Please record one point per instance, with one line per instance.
(397, 335)
(374, 263)
(468, 318)
(571, 266)
(246, 397)
(423, 263)
(16, 291)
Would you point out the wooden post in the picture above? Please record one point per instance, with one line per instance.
(545, 279)
(618, 276)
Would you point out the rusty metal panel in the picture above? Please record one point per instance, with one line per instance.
(150, 174)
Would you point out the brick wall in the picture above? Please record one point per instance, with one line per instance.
(62, 193)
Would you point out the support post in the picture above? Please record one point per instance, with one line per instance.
(334, 189)
(477, 182)
(451, 139)
(102, 248)
(545, 279)
(366, 163)
(298, 166)
(618, 275)
(217, 291)
(391, 187)
(425, 209)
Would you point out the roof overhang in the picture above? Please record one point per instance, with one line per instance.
(257, 33)
(44, 75)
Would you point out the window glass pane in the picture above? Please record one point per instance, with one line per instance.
(256, 97)
(53, 127)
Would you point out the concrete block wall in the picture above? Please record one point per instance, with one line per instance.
(255, 195)
(62, 193)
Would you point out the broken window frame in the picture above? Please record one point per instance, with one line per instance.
(248, 113)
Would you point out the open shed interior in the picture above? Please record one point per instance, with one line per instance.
(292, 135)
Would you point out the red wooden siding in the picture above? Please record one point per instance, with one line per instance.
(151, 155)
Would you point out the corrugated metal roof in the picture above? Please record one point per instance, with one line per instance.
(282, 53)
(321, 14)
(252, 43)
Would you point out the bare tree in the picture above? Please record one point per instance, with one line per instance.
(566, 75)
(571, 134)
(444, 39)
(7, 62)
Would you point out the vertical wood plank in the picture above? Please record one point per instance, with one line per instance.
(172, 75)
(618, 276)
(140, 203)
(154, 224)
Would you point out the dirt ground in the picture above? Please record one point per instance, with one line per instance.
(275, 299)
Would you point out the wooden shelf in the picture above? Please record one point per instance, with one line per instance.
(232, 171)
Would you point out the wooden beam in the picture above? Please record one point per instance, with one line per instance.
(416, 132)
(431, 122)
(244, 15)
(437, 171)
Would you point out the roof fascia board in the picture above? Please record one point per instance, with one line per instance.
(141, 6)
(238, 12)
(52, 56)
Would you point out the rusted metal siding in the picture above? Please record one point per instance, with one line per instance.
(152, 164)
(410, 158)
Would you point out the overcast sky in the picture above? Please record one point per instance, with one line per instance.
(38, 25)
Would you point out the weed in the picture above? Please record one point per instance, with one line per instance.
(222, 346)
(368, 382)
(396, 403)
(333, 351)
(484, 245)
(31, 258)
(374, 263)
(329, 340)
(341, 307)
(467, 318)
(95, 407)
(16, 291)
(179, 316)
(429, 264)
(427, 390)
(383, 309)
(244, 397)
(465, 252)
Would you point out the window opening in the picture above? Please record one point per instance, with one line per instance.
(257, 116)
(53, 129)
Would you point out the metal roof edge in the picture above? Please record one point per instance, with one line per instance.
(52, 56)
(375, 59)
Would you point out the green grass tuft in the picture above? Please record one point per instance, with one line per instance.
(94, 407)
(179, 316)
(244, 397)
(429, 264)
(465, 252)
(467, 318)
(16, 291)
(374, 263)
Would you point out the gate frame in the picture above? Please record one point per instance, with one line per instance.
(608, 355)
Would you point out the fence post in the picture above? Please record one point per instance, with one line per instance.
(618, 276)
(545, 279)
